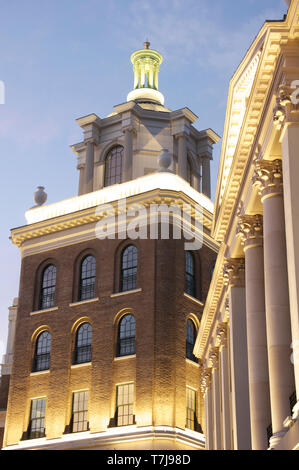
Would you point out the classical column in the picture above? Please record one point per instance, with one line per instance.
(290, 164)
(206, 391)
(89, 167)
(234, 274)
(224, 387)
(128, 154)
(206, 175)
(182, 155)
(268, 176)
(214, 364)
(251, 230)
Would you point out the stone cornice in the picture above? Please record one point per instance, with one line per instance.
(79, 226)
(270, 39)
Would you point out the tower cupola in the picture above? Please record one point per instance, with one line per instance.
(146, 64)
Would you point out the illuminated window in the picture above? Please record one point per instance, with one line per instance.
(190, 275)
(129, 262)
(42, 352)
(113, 166)
(48, 284)
(80, 411)
(37, 419)
(87, 278)
(124, 404)
(83, 344)
(190, 340)
(126, 336)
(191, 409)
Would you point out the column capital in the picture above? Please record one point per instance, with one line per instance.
(250, 229)
(268, 177)
(284, 107)
(221, 334)
(129, 128)
(214, 358)
(205, 380)
(234, 272)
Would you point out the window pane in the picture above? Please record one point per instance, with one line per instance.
(80, 412)
(83, 344)
(42, 352)
(124, 404)
(126, 336)
(189, 275)
(87, 278)
(129, 264)
(190, 340)
(37, 418)
(190, 408)
(113, 166)
(48, 287)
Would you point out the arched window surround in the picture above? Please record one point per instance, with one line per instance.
(82, 351)
(126, 334)
(41, 350)
(77, 274)
(113, 165)
(37, 293)
(191, 333)
(117, 287)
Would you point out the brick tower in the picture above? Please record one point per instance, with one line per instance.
(109, 305)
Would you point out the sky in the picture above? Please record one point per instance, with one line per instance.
(63, 59)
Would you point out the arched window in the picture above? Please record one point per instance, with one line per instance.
(190, 275)
(190, 340)
(47, 293)
(87, 278)
(126, 336)
(42, 352)
(113, 166)
(129, 262)
(83, 344)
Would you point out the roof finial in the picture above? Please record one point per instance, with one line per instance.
(147, 44)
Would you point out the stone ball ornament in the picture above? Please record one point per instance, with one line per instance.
(40, 196)
(165, 160)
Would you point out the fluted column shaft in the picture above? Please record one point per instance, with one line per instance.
(224, 387)
(213, 358)
(206, 390)
(234, 272)
(251, 230)
(268, 176)
(290, 164)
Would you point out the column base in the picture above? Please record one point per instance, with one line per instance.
(275, 439)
